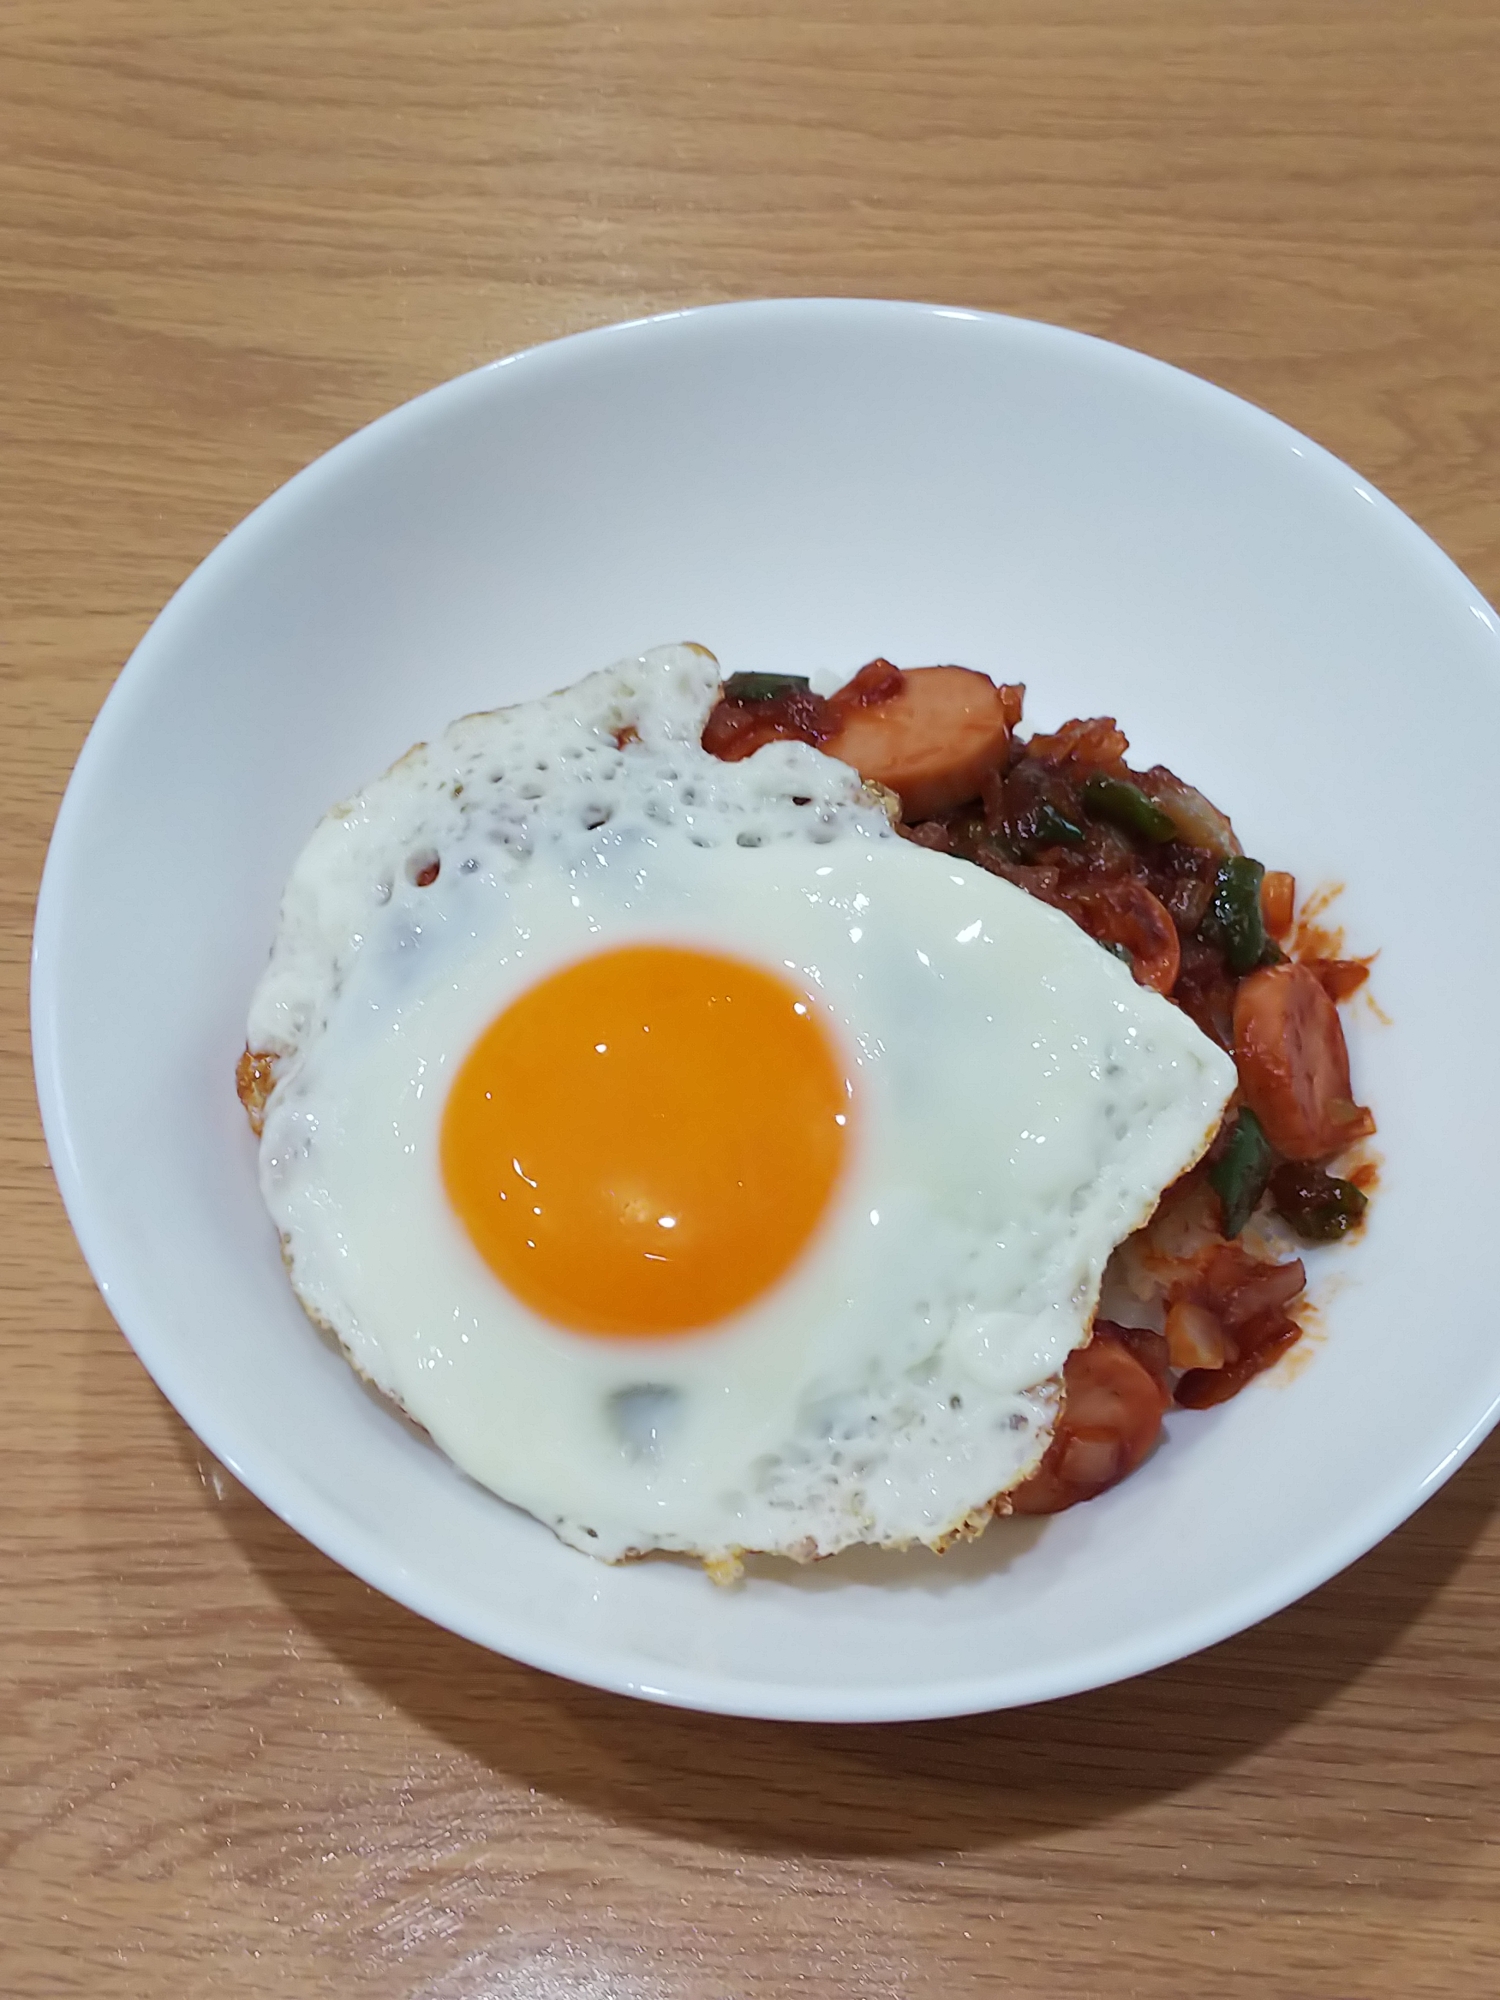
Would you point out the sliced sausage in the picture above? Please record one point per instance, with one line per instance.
(932, 741)
(1293, 1062)
(1111, 1416)
(1124, 913)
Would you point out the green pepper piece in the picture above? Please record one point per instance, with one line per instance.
(1240, 1175)
(1319, 1206)
(1233, 921)
(1126, 806)
(764, 687)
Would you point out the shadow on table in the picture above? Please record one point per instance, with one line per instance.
(879, 1790)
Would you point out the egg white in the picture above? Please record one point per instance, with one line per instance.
(1019, 1104)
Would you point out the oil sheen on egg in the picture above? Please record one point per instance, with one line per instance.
(798, 1272)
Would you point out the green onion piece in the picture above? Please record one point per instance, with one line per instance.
(1126, 806)
(764, 687)
(1045, 826)
(1233, 921)
(1320, 1207)
(1239, 1177)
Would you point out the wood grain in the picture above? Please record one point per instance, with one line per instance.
(229, 235)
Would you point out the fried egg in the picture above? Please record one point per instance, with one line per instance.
(705, 1167)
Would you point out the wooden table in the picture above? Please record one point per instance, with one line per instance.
(230, 235)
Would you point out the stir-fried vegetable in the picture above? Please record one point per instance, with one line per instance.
(1234, 921)
(1239, 1177)
(1046, 825)
(1198, 821)
(764, 687)
(1195, 1337)
(1319, 1206)
(1126, 806)
(1262, 1346)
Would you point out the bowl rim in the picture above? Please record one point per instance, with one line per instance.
(339, 1536)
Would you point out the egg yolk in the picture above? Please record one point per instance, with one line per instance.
(644, 1142)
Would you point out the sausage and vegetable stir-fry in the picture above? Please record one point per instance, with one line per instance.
(1153, 871)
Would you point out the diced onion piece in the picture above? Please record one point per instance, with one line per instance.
(1197, 820)
(1195, 1338)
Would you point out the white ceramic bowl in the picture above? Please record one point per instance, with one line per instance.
(804, 484)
